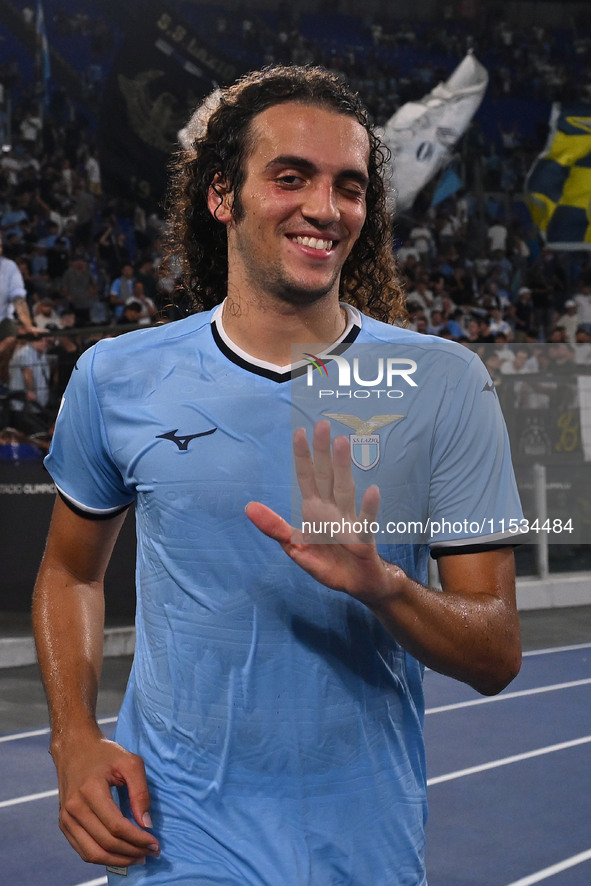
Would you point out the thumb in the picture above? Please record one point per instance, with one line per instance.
(268, 522)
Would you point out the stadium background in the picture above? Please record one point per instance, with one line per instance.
(94, 77)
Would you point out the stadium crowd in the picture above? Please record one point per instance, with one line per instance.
(474, 267)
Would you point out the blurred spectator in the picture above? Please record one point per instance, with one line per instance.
(422, 240)
(93, 173)
(583, 345)
(498, 324)
(436, 323)
(79, 288)
(121, 290)
(582, 300)
(45, 315)
(12, 298)
(148, 309)
(569, 320)
(497, 238)
(132, 312)
(29, 384)
(524, 313)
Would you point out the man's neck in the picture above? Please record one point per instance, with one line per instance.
(269, 329)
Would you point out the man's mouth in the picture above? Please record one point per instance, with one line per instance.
(314, 243)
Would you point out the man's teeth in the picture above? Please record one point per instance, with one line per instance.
(313, 243)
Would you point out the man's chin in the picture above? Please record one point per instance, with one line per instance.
(300, 296)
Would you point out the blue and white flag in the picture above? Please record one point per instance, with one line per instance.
(421, 134)
(558, 186)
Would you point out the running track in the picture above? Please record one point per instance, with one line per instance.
(509, 785)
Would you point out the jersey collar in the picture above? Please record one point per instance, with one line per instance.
(271, 370)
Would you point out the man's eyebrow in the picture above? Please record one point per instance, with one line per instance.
(306, 165)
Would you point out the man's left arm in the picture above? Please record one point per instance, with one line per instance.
(469, 630)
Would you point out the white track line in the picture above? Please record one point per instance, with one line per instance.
(552, 649)
(32, 733)
(521, 693)
(549, 872)
(28, 798)
(505, 761)
(16, 735)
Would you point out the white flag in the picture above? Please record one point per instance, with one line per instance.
(421, 134)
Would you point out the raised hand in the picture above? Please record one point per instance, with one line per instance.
(335, 543)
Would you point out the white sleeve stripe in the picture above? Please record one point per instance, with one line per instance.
(87, 508)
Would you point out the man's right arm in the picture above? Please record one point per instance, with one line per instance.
(68, 618)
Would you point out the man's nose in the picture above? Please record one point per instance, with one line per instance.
(321, 203)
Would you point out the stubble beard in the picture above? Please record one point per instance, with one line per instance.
(275, 284)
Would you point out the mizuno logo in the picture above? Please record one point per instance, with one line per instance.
(489, 386)
(183, 442)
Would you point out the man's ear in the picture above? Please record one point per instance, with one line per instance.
(220, 200)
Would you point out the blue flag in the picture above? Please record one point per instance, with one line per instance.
(449, 183)
(558, 187)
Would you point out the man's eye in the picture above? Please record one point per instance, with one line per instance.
(289, 179)
(353, 191)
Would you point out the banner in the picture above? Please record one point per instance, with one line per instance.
(421, 134)
(163, 70)
(558, 186)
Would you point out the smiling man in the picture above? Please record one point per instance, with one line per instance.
(271, 731)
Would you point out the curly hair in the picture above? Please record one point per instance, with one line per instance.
(215, 146)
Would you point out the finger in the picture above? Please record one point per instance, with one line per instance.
(139, 795)
(304, 465)
(368, 512)
(104, 850)
(103, 837)
(90, 851)
(271, 524)
(95, 809)
(323, 466)
(344, 484)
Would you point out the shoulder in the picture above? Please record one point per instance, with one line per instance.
(23, 356)
(8, 265)
(440, 368)
(384, 333)
(141, 348)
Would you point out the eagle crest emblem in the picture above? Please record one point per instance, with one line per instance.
(365, 443)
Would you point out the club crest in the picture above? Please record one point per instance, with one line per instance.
(365, 445)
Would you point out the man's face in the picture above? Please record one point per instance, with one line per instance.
(302, 204)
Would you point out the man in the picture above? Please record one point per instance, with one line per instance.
(80, 289)
(277, 709)
(121, 290)
(569, 321)
(29, 377)
(13, 299)
(582, 300)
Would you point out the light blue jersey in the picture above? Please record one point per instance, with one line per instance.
(280, 724)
